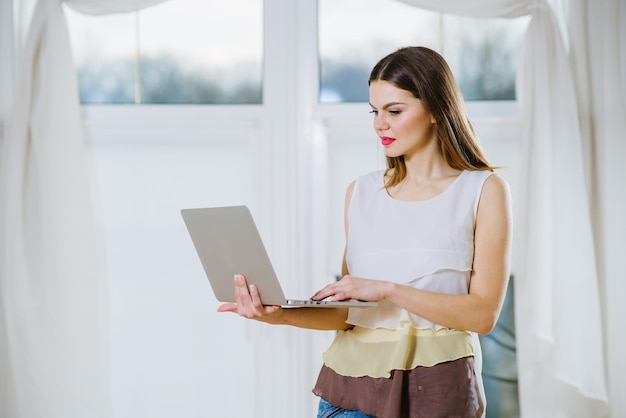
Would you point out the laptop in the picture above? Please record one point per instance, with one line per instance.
(228, 243)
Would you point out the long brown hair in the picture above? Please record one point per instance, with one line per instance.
(426, 75)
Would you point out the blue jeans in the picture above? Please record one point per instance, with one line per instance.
(327, 410)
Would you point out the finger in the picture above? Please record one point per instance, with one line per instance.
(227, 307)
(321, 295)
(324, 292)
(242, 293)
(252, 305)
(256, 297)
(240, 282)
(272, 308)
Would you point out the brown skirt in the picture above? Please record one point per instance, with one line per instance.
(447, 390)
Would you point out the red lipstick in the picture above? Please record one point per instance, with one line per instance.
(385, 140)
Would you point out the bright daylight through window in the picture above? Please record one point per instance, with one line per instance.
(198, 52)
(354, 34)
(177, 52)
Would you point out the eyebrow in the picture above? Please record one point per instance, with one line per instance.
(388, 105)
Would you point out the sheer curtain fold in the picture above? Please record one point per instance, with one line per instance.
(480, 8)
(99, 7)
(559, 323)
(558, 315)
(53, 298)
(600, 75)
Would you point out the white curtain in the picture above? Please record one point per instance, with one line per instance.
(53, 299)
(558, 315)
(598, 44)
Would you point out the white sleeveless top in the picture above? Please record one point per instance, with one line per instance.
(426, 244)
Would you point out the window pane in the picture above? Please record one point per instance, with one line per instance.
(198, 51)
(350, 43)
(104, 51)
(482, 53)
(180, 51)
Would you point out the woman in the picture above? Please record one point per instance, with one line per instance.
(429, 239)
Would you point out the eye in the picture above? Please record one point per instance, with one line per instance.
(395, 112)
(374, 112)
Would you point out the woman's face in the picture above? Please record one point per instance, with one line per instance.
(402, 122)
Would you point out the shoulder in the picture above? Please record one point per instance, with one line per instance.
(495, 197)
(372, 176)
(350, 190)
(495, 186)
(487, 181)
(371, 181)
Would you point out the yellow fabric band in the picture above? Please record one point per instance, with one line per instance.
(376, 352)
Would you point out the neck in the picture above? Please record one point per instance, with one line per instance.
(428, 165)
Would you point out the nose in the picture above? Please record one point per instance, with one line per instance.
(380, 123)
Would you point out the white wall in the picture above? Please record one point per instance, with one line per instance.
(171, 354)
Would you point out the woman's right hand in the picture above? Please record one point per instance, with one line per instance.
(248, 303)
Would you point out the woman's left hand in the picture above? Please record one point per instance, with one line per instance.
(350, 287)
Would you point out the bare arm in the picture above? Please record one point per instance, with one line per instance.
(248, 304)
(478, 310)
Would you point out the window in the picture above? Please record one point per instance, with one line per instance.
(198, 52)
(354, 34)
(184, 51)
